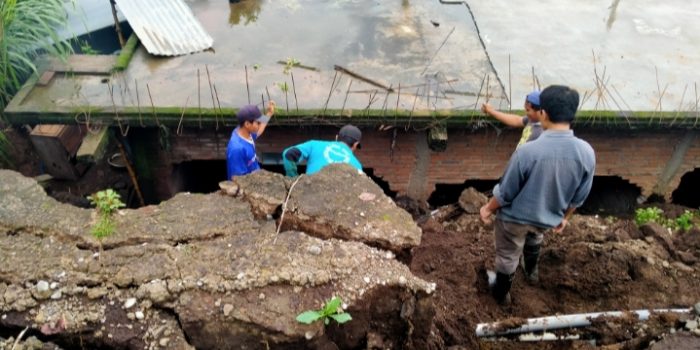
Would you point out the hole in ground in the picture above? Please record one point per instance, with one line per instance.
(611, 195)
(688, 191)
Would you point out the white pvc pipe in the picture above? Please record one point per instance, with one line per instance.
(563, 321)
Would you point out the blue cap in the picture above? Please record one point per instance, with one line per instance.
(251, 113)
(533, 97)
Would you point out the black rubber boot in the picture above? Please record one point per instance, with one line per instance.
(501, 290)
(531, 255)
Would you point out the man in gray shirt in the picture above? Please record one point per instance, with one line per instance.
(545, 181)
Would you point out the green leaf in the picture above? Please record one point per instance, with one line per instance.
(331, 306)
(341, 318)
(308, 317)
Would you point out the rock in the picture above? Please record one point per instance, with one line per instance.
(56, 295)
(163, 342)
(660, 234)
(156, 291)
(265, 191)
(94, 293)
(682, 267)
(229, 188)
(472, 200)
(686, 257)
(320, 207)
(314, 250)
(43, 290)
(696, 308)
(188, 252)
(227, 309)
(129, 303)
(691, 325)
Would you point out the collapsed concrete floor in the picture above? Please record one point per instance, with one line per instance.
(211, 272)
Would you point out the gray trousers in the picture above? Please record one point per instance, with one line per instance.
(510, 239)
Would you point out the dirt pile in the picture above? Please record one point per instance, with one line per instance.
(195, 271)
(597, 264)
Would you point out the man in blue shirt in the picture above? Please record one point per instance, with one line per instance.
(318, 154)
(545, 181)
(240, 152)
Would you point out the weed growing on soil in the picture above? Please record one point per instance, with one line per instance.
(653, 214)
(330, 310)
(106, 202)
(685, 220)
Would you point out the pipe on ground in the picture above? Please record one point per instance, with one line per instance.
(562, 321)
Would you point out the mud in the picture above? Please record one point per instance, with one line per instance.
(597, 264)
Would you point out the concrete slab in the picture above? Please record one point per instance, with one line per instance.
(431, 49)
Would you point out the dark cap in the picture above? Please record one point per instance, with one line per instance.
(350, 134)
(251, 113)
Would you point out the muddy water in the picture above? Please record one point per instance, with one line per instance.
(645, 51)
(429, 48)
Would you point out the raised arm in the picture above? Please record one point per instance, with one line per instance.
(270, 111)
(513, 120)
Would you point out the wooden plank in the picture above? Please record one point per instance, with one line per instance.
(83, 64)
(45, 78)
(54, 156)
(68, 135)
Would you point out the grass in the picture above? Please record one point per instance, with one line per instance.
(27, 29)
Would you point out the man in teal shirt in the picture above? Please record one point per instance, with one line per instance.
(318, 154)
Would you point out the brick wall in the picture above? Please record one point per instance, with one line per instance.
(636, 156)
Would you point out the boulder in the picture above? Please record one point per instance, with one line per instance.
(339, 202)
(198, 271)
(472, 200)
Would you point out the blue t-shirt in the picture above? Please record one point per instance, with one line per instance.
(318, 154)
(240, 155)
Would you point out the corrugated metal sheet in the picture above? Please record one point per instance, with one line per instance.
(165, 27)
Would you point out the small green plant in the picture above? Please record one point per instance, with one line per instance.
(291, 62)
(685, 220)
(256, 66)
(650, 214)
(87, 49)
(283, 86)
(332, 309)
(106, 202)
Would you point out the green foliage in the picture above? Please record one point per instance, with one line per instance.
(685, 220)
(291, 62)
(106, 202)
(283, 86)
(5, 151)
(103, 228)
(256, 66)
(650, 214)
(87, 49)
(27, 29)
(653, 214)
(331, 310)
